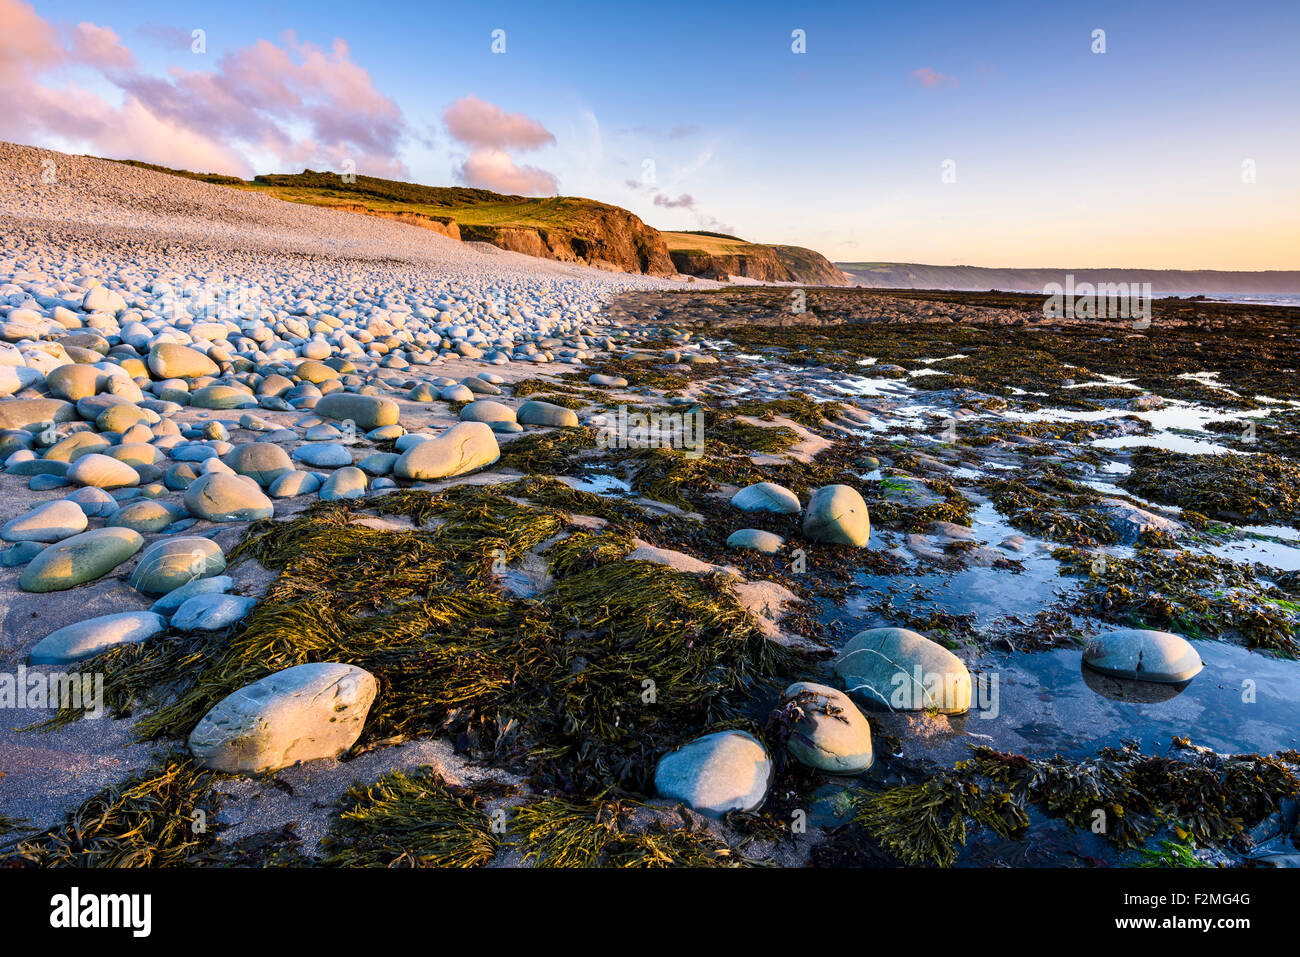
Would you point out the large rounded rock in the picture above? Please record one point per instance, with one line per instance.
(1143, 655)
(721, 772)
(211, 612)
(766, 497)
(173, 599)
(300, 714)
(838, 515)
(326, 455)
(365, 411)
(347, 482)
(315, 372)
(51, 522)
(147, 516)
(73, 382)
(35, 414)
(903, 671)
(828, 732)
(102, 471)
(220, 497)
(756, 539)
(294, 483)
(263, 462)
(219, 396)
(79, 559)
(462, 448)
(535, 412)
(486, 410)
(170, 360)
(95, 635)
(172, 562)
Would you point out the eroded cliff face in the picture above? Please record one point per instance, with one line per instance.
(763, 263)
(603, 236)
(596, 234)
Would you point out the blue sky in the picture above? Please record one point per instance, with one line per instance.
(1062, 156)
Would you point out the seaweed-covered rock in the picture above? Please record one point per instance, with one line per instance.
(828, 731)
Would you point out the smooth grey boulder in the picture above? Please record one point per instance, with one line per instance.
(173, 599)
(35, 415)
(294, 483)
(716, 773)
(19, 554)
(328, 455)
(80, 558)
(218, 396)
(347, 482)
(463, 448)
(901, 670)
(51, 522)
(263, 462)
(220, 497)
(146, 516)
(757, 540)
(169, 563)
(829, 732)
(302, 713)
(1143, 655)
(838, 515)
(211, 612)
(767, 497)
(365, 411)
(84, 639)
(102, 471)
(487, 410)
(534, 412)
(171, 360)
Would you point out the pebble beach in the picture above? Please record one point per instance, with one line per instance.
(378, 548)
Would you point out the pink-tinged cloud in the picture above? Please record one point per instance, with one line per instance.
(495, 170)
(933, 79)
(294, 102)
(484, 125)
(490, 131)
(100, 47)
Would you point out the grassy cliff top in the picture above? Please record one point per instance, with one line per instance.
(466, 205)
(710, 244)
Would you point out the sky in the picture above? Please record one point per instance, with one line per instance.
(990, 134)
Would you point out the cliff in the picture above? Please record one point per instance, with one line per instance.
(717, 256)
